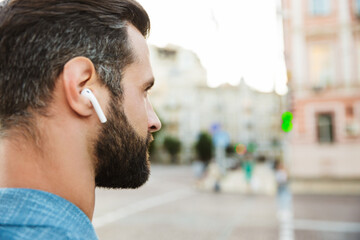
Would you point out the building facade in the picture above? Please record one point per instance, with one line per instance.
(322, 50)
(188, 106)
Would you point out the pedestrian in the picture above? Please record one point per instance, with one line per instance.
(248, 167)
(283, 193)
(74, 111)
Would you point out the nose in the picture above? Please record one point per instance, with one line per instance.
(154, 123)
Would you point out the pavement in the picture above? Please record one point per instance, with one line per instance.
(170, 206)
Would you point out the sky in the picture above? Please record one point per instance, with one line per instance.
(234, 39)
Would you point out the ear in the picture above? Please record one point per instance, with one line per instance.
(78, 73)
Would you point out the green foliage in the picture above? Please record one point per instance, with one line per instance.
(251, 147)
(172, 145)
(154, 145)
(230, 150)
(204, 147)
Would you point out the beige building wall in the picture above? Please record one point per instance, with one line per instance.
(187, 105)
(177, 74)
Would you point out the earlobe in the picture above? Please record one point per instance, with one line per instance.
(78, 73)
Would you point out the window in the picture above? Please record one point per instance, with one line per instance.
(320, 7)
(165, 53)
(325, 128)
(349, 111)
(321, 64)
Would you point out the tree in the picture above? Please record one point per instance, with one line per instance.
(172, 146)
(230, 150)
(204, 147)
(153, 144)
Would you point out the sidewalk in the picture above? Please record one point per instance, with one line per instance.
(262, 182)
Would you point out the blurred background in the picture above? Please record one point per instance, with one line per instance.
(260, 106)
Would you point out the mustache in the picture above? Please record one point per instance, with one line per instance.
(149, 138)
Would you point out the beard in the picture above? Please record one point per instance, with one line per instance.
(122, 158)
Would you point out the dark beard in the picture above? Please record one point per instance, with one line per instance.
(122, 158)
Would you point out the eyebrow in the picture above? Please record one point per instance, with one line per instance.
(148, 84)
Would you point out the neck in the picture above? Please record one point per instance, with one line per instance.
(57, 166)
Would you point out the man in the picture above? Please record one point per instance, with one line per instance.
(54, 150)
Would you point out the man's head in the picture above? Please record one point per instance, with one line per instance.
(63, 46)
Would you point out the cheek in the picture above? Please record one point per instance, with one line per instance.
(135, 110)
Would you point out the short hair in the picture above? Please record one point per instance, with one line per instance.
(38, 37)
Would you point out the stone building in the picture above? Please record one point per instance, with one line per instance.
(322, 49)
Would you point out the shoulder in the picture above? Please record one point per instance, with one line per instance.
(41, 233)
(8, 232)
(33, 214)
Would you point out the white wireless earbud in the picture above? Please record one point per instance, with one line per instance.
(88, 94)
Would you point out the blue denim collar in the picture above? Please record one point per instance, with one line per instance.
(29, 207)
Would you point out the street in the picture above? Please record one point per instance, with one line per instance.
(168, 206)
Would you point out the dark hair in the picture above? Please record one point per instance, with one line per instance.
(38, 37)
